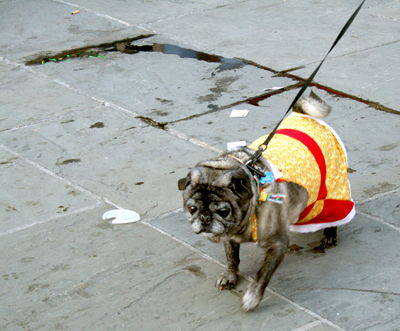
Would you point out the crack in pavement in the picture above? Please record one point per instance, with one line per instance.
(125, 46)
(345, 289)
(118, 45)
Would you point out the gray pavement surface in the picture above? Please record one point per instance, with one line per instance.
(145, 92)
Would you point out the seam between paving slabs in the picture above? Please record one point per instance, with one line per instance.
(75, 52)
(151, 122)
(125, 46)
(144, 119)
(66, 85)
(330, 90)
(98, 199)
(247, 277)
(107, 17)
(356, 52)
(49, 219)
(375, 218)
(308, 326)
(377, 196)
(45, 120)
(380, 220)
(283, 73)
(139, 26)
(54, 175)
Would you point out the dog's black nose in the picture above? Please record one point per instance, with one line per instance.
(205, 218)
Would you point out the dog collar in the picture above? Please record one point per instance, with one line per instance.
(261, 186)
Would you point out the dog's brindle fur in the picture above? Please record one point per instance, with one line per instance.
(273, 220)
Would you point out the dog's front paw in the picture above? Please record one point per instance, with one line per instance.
(227, 280)
(252, 297)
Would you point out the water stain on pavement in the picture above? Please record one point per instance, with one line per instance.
(132, 46)
(69, 161)
(97, 125)
(126, 46)
(27, 259)
(196, 270)
(379, 188)
(34, 287)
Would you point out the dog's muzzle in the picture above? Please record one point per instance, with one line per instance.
(207, 226)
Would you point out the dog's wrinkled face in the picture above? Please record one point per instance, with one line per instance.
(215, 200)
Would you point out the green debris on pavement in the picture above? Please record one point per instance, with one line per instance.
(90, 54)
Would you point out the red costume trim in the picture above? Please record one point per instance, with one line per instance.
(315, 150)
(333, 210)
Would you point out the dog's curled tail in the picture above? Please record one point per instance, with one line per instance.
(312, 105)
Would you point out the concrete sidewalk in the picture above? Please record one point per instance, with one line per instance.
(129, 97)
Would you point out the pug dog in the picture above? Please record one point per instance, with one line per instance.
(300, 184)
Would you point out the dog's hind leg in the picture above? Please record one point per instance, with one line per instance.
(228, 279)
(329, 238)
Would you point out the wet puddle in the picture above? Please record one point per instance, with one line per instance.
(129, 46)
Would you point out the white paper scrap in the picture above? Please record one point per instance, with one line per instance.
(273, 88)
(122, 216)
(235, 144)
(239, 113)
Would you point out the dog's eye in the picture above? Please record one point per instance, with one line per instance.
(224, 212)
(192, 209)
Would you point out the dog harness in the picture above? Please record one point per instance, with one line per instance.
(309, 152)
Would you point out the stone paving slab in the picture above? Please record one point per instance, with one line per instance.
(47, 27)
(355, 284)
(30, 196)
(111, 153)
(261, 119)
(364, 48)
(388, 9)
(353, 55)
(359, 275)
(349, 74)
(284, 31)
(386, 208)
(372, 163)
(73, 270)
(161, 86)
(138, 12)
(33, 98)
(107, 277)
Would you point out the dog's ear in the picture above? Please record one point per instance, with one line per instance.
(241, 186)
(183, 183)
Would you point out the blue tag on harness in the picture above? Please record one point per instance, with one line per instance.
(267, 179)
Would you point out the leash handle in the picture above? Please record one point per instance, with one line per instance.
(264, 145)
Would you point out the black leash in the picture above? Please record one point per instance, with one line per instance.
(263, 146)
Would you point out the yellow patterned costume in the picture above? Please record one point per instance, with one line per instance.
(310, 153)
